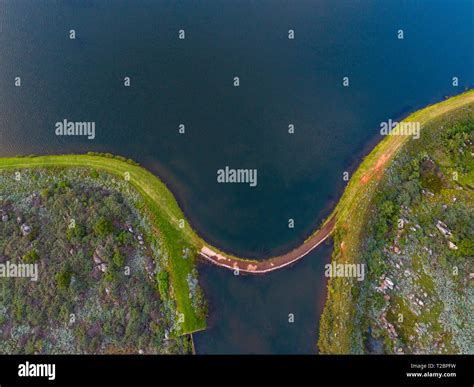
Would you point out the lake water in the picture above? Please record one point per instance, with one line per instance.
(190, 82)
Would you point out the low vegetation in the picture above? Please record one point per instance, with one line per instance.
(104, 274)
(177, 243)
(414, 231)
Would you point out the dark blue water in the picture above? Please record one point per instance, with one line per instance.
(191, 81)
(275, 313)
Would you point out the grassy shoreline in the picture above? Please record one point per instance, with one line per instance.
(351, 213)
(78, 217)
(160, 205)
(170, 223)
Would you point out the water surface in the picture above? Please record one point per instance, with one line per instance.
(191, 81)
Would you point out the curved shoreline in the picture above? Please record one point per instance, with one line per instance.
(366, 175)
(274, 263)
(159, 197)
(168, 220)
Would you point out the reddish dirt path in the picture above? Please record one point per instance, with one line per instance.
(376, 170)
(369, 175)
(271, 264)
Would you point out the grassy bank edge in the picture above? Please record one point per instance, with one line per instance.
(159, 204)
(351, 214)
(166, 214)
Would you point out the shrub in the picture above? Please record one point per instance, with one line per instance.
(63, 278)
(31, 256)
(110, 275)
(124, 238)
(118, 259)
(45, 193)
(103, 227)
(79, 231)
(62, 185)
(163, 283)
